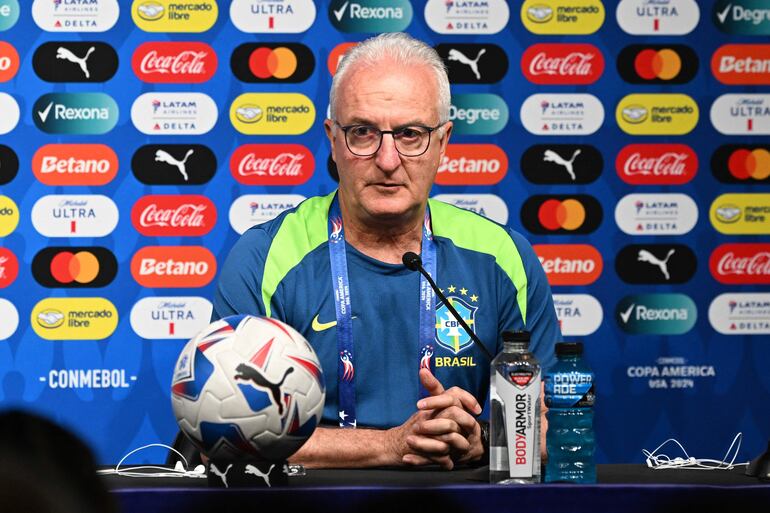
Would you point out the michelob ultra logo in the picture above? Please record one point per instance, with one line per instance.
(251, 209)
(370, 15)
(9, 61)
(174, 15)
(740, 163)
(164, 62)
(487, 205)
(9, 216)
(562, 63)
(173, 266)
(741, 313)
(656, 314)
(741, 114)
(478, 114)
(10, 317)
(744, 17)
(656, 164)
(174, 215)
(569, 264)
(272, 113)
(562, 114)
(72, 215)
(657, 64)
(174, 164)
(741, 264)
(272, 62)
(9, 14)
(162, 317)
(260, 16)
(742, 64)
(579, 314)
(659, 18)
(466, 16)
(272, 164)
(75, 61)
(657, 114)
(74, 318)
(75, 164)
(10, 113)
(174, 113)
(561, 164)
(74, 267)
(75, 113)
(561, 214)
(656, 214)
(555, 17)
(741, 214)
(472, 164)
(75, 15)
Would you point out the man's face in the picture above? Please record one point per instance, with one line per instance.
(387, 185)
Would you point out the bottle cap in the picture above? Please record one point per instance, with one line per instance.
(516, 336)
(569, 348)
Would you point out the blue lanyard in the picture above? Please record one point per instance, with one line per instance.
(346, 390)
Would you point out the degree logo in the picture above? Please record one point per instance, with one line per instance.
(561, 164)
(579, 314)
(478, 114)
(252, 209)
(473, 63)
(336, 55)
(73, 215)
(463, 17)
(562, 114)
(269, 16)
(174, 113)
(173, 266)
(741, 114)
(75, 164)
(9, 268)
(562, 63)
(74, 318)
(560, 17)
(75, 16)
(70, 61)
(742, 64)
(9, 15)
(569, 264)
(656, 264)
(656, 314)
(11, 113)
(174, 15)
(74, 267)
(741, 314)
(735, 163)
(741, 264)
(9, 61)
(561, 214)
(487, 205)
(272, 113)
(9, 164)
(161, 318)
(657, 64)
(9, 216)
(657, 114)
(370, 15)
(656, 164)
(656, 214)
(746, 17)
(75, 113)
(272, 62)
(174, 164)
(741, 214)
(174, 215)
(472, 164)
(190, 62)
(272, 164)
(669, 17)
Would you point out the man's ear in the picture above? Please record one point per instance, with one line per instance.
(330, 134)
(447, 129)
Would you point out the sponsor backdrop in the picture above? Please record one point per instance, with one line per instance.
(627, 140)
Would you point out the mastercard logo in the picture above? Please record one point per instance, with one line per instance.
(734, 163)
(74, 267)
(274, 62)
(657, 64)
(555, 214)
(579, 213)
(280, 63)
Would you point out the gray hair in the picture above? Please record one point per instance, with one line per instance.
(405, 50)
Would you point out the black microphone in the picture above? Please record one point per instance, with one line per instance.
(413, 262)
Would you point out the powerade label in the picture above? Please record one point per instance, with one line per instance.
(569, 389)
(520, 396)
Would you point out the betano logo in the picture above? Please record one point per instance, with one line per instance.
(741, 313)
(272, 113)
(74, 267)
(656, 314)
(272, 164)
(11, 113)
(161, 318)
(174, 215)
(478, 114)
(9, 61)
(9, 216)
(745, 17)
(269, 16)
(562, 114)
(561, 214)
(174, 113)
(472, 164)
(569, 264)
(75, 113)
(174, 15)
(741, 114)
(173, 266)
(741, 214)
(741, 264)
(336, 55)
(656, 214)
(9, 268)
(163, 62)
(658, 18)
(9, 315)
(560, 17)
(656, 164)
(9, 14)
(370, 15)
(657, 114)
(272, 62)
(466, 16)
(657, 64)
(75, 15)
(735, 163)
(251, 209)
(487, 205)
(74, 318)
(71, 215)
(579, 314)
(742, 64)
(75, 164)
(562, 63)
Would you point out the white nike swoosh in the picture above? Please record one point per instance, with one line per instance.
(338, 14)
(625, 315)
(723, 15)
(44, 113)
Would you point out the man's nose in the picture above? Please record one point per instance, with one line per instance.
(387, 158)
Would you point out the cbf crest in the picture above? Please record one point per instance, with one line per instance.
(449, 333)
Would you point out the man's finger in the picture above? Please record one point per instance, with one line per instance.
(438, 427)
(427, 445)
(429, 381)
(466, 399)
(438, 402)
(466, 422)
(416, 459)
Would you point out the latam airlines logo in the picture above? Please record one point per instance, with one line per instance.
(552, 164)
(71, 215)
(562, 63)
(272, 62)
(9, 216)
(174, 164)
(163, 318)
(737, 163)
(272, 113)
(741, 314)
(174, 215)
(656, 263)
(473, 63)
(741, 114)
(74, 267)
(268, 16)
(10, 317)
(9, 268)
(272, 164)
(75, 164)
(657, 114)
(11, 113)
(742, 64)
(657, 64)
(253, 209)
(656, 214)
(486, 205)
(9, 164)
(174, 113)
(562, 114)
(658, 17)
(74, 318)
(75, 113)
(746, 17)
(9, 61)
(656, 314)
(472, 164)
(191, 62)
(741, 264)
(478, 114)
(579, 314)
(741, 214)
(561, 214)
(173, 266)
(75, 15)
(370, 15)
(466, 16)
(656, 164)
(569, 264)
(69, 61)
(174, 15)
(560, 17)
(9, 14)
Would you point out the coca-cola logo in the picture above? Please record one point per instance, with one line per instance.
(177, 215)
(272, 164)
(562, 63)
(738, 264)
(470, 63)
(166, 62)
(656, 164)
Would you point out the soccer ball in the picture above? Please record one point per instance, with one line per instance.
(248, 388)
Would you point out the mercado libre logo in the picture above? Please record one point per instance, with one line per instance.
(174, 113)
(562, 63)
(75, 113)
(656, 214)
(163, 317)
(9, 216)
(473, 63)
(75, 215)
(741, 114)
(74, 267)
(657, 114)
(658, 18)
(552, 164)
(75, 61)
(656, 314)
(370, 15)
(742, 17)
(271, 16)
(174, 164)
(174, 15)
(561, 214)
(657, 64)
(272, 113)
(189, 62)
(562, 114)
(74, 318)
(272, 62)
(75, 15)
(9, 14)
(478, 114)
(9, 61)
(741, 314)
(656, 264)
(75, 164)
(741, 214)
(173, 266)
(562, 17)
(739, 163)
(466, 16)
(9, 164)
(742, 64)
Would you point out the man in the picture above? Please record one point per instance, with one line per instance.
(332, 268)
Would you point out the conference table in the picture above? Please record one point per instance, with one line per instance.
(620, 489)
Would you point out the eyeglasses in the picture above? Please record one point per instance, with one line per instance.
(365, 140)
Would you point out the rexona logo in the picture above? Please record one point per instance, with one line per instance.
(74, 267)
(75, 113)
(74, 318)
(69, 61)
(11, 113)
(742, 64)
(656, 214)
(741, 264)
(9, 164)
(552, 164)
(9, 14)
(472, 164)
(173, 266)
(562, 114)
(261, 16)
(174, 113)
(190, 62)
(467, 16)
(741, 114)
(554, 17)
(253, 209)
(741, 314)
(75, 164)
(75, 15)
(336, 55)
(656, 314)
(272, 62)
(738, 163)
(569, 264)
(561, 214)
(9, 61)
(657, 17)
(9, 315)
(562, 63)
(656, 164)
(478, 114)
(473, 63)
(745, 17)
(272, 164)
(741, 214)
(487, 205)
(9, 268)
(9, 215)
(71, 215)
(170, 317)
(370, 15)
(657, 64)
(174, 15)
(174, 215)
(656, 263)
(272, 113)
(657, 114)
(579, 314)
(174, 164)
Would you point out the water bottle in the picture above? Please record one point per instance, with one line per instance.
(569, 397)
(514, 422)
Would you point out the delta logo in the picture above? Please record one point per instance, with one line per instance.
(11, 113)
(75, 164)
(9, 15)
(174, 113)
(741, 313)
(74, 267)
(579, 314)
(741, 214)
(658, 17)
(737, 163)
(741, 264)
(553, 164)
(742, 17)
(486, 205)
(562, 64)
(478, 114)
(173, 266)
(370, 15)
(75, 113)
(656, 314)
(469, 63)
(75, 61)
(336, 55)
(561, 214)
(75, 15)
(174, 215)
(657, 64)
(174, 164)
(174, 15)
(741, 64)
(9, 61)
(272, 62)
(9, 216)
(9, 268)
(562, 114)
(657, 114)
(164, 318)
(253, 209)
(74, 215)
(472, 164)
(656, 264)
(272, 113)
(10, 317)
(272, 164)
(656, 164)
(569, 264)
(272, 16)
(466, 16)
(190, 62)
(562, 17)
(9, 164)
(741, 114)
(74, 318)
(656, 214)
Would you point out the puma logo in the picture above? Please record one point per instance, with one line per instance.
(222, 475)
(646, 256)
(251, 469)
(249, 373)
(181, 165)
(67, 55)
(457, 55)
(552, 156)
